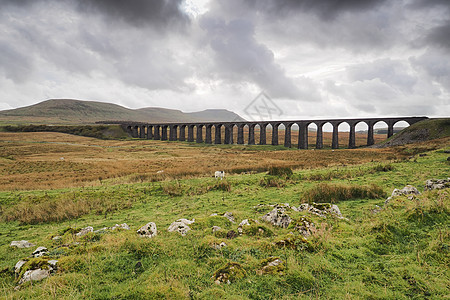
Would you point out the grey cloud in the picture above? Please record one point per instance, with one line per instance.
(440, 36)
(14, 63)
(326, 9)
(392, 72)
(159, 13)
(239, 57)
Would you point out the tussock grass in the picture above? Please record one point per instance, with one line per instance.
(333, 193)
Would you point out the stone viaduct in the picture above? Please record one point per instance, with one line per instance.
(177, 131)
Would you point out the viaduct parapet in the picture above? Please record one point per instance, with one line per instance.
(203, 131)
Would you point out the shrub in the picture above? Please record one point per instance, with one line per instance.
(272, 181)
(334, 193)
(280, 171)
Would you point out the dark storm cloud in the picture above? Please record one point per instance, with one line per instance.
(440, 36)
(158, 13)
(324, 8)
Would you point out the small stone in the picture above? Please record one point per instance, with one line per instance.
(186, 221)
(34, 275)
(123, 226)
(40, 251)
(19, 266)
(56, 238)
(277, 217)
(229, 216)
(180, 227)
(216, 228)
(85, 231)
(21, 244)
(148, 230)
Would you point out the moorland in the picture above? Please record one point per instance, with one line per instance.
(55, 184)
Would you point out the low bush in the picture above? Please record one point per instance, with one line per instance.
(333, 193)
(280, 171)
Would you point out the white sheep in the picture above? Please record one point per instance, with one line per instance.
(219, 174)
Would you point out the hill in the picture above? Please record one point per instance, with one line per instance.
(420, 132)
(69, 111)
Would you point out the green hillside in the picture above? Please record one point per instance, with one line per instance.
(422, 131)
(68, 111)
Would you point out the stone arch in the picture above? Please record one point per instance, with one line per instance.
(275, 126)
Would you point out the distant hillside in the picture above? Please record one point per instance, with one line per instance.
(68, 111)
(422, 131)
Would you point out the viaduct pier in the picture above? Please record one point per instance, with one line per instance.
(203, 131)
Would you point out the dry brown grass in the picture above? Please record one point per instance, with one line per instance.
(34, 160)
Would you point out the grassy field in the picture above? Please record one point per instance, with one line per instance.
(402, 252)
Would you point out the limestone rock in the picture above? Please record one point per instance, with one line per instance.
(181, 226)
(229, 273)
(271, 265)
(437, 184)
(219, 246)
(216, 228)
(407, 190)
(85, 231)
(21, 244)
(40, 251)
(123, 226)
(148, 230)
(244, 222)
(19, 266)
(277, 217)
(305, 227)
(229, 216)
(34, 275)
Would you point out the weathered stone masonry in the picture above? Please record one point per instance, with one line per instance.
(177, 131)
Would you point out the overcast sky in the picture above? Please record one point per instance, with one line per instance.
(313, 59)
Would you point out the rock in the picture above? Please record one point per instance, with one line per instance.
(123, 226)
(52, 263)
(19, 265)
(213, 215)
(21, 244)
(305, 226)
(244, 222)
(40, 251)
(437, 184)
(303, 207)
(277, 217)
(407, 190)
(34, 275)
(186, 221)
(376, 210)
(148, 230)
(229, 273)
(447, 151)
(215, 228)
(231, 234)
(271, 265)
(56, 238)
(85, 231)
(335, 211)
(219, 246)
(180, 227)
(229, 216)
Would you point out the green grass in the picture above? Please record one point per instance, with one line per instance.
(400, 253)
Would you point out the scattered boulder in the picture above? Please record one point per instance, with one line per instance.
(437, 184)
(148, 230)
(34, 269)
(123, 226)
(322, 209)
(229, 273)
(21, 244)
(305, 226)
(219, 246)
(229, 216)
(34, 275)
(246, 222)
(85, 231)
(19, 266)
(216, 228)
(271, 265)
(407, 190)
(277, 217)
(181, 225)
(40, 251)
